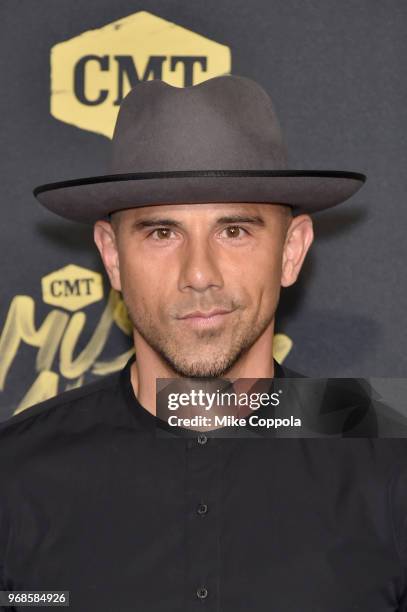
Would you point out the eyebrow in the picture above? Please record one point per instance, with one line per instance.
(140, 224)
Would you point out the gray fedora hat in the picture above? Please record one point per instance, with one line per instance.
(218, 141)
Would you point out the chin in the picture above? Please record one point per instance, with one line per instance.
(201, 369)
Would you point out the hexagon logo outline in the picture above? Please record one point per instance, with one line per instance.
(72, 287)
(92, 72)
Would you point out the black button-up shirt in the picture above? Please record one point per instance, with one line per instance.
(94, 502)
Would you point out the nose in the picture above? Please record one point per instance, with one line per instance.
(200, 268)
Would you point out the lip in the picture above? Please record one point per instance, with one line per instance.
(197, 314)
(205, 320)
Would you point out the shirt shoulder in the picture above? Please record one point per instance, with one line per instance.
(50, 410)
(289, 373)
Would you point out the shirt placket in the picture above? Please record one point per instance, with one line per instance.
(202, 524)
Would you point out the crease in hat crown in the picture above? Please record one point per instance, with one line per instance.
(217, 141)
(209, 125)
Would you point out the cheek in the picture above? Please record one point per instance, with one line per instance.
(256, 291)
(268, 286)
(143, 284)
(259, 275)
(270, 291)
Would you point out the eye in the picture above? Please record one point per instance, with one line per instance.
(234, 229)
(163, 232)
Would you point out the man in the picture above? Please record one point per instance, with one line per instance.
(99, 496)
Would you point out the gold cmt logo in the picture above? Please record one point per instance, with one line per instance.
(91, 73)
(72, 287)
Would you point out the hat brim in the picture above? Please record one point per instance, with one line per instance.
(88, 199)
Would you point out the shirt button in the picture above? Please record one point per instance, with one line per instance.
(202, 593)
(202, 509)
(202, 439)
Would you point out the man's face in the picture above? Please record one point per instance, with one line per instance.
(171, 260)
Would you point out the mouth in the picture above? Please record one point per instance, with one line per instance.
(205, 320)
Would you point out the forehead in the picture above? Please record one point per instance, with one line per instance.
(204, 210)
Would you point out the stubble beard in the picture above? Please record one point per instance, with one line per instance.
(191, 365)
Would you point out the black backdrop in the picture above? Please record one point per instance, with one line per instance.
(335, 71)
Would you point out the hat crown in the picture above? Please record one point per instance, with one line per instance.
(227, 122)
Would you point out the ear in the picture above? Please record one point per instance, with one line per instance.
(299, 238)
(105, 239)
